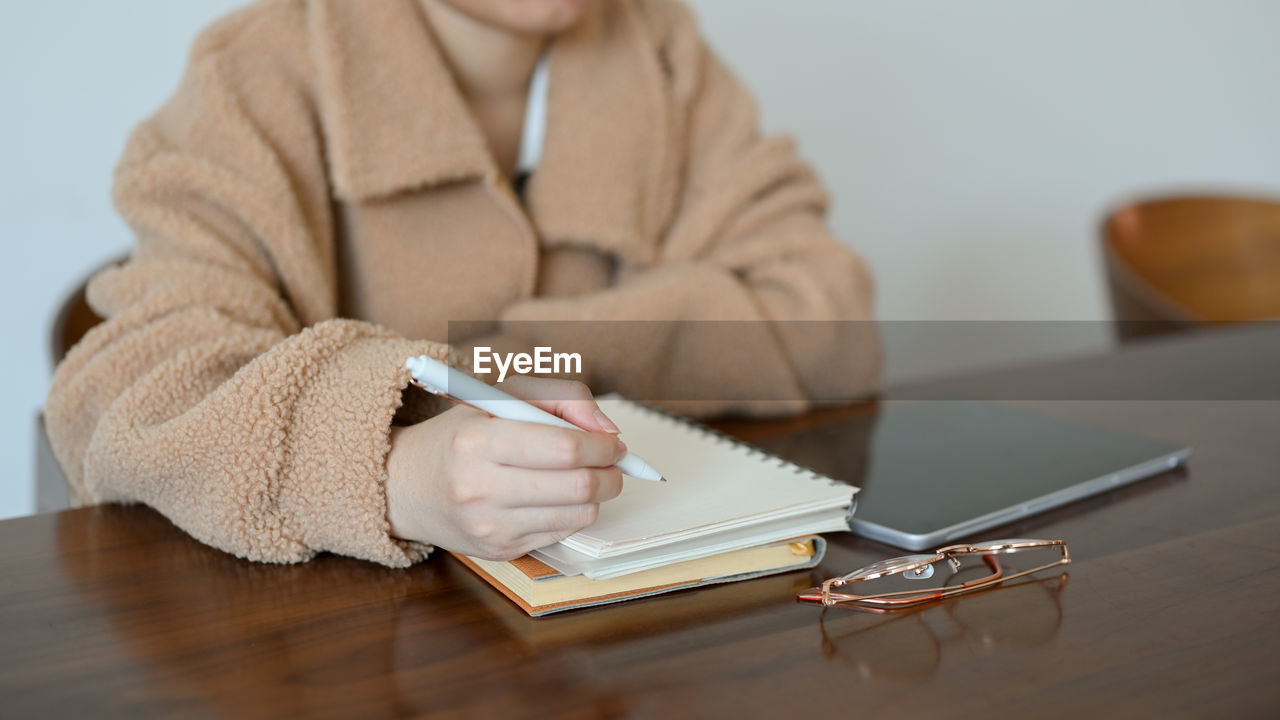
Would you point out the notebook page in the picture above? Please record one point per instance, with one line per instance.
(713, 484)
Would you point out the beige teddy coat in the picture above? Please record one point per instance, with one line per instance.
(316, 203)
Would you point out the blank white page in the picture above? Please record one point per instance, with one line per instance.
(713, 484)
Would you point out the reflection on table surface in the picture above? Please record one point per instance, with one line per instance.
(908, 645)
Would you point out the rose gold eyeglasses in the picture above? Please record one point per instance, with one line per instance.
(880, 581)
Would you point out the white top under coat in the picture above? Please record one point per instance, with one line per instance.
(534, 131)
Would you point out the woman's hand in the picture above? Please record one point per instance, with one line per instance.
(497, 488)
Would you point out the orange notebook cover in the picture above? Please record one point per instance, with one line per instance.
(539, 589)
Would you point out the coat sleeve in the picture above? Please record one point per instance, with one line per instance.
(221, 390)
(747, 244)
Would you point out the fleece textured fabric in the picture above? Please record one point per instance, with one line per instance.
(316, 203)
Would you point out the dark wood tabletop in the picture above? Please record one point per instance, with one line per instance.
(1170, 608)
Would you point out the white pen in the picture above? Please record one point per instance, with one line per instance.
(436, 377)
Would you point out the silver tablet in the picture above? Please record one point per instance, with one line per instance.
(933, 473)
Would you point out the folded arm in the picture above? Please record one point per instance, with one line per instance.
(747, 243)
(220, 390)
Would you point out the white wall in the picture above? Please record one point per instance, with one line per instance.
(970, 146)
(75, 76)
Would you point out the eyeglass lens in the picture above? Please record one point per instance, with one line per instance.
(1004, 556)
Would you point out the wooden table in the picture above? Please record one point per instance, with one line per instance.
(1171, 608)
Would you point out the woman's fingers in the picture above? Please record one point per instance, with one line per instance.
(549, 525)
(564, 520)
(530, 445)
(519, 487)
(528, 528)
(567, 399)
(511, 486)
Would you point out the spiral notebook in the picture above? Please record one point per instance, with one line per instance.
(728, 512)
(722, 495)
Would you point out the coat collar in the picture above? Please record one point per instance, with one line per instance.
(392, 114)
(395, 120)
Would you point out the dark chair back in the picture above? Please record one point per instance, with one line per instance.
(74, 319)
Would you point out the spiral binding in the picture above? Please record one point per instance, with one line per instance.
(719, 437)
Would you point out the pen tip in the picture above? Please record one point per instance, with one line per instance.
(662, 478)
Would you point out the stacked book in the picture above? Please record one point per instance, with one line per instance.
(728, 512)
